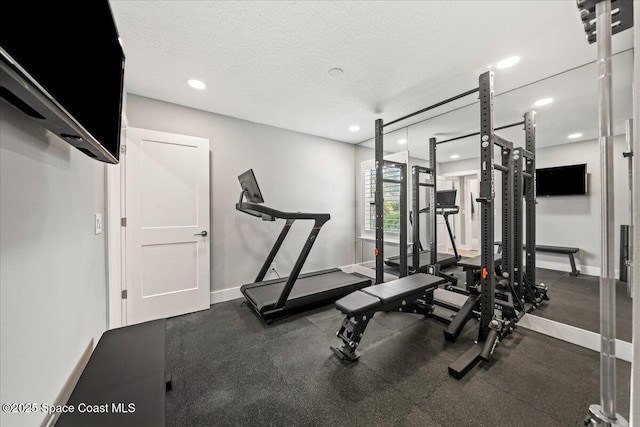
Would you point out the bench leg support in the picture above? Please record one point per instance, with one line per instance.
(464, 315)
(574, 271)
(351, 333)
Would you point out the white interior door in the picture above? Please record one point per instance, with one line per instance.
(167, 225)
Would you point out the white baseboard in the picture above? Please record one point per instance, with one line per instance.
(565, 266)
(67, 388)
(351, 268)
(225, 295)
(573, 335)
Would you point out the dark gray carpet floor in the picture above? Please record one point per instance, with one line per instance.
(576, 302)
(229, 369)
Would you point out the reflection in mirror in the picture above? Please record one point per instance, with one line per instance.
(566, 134)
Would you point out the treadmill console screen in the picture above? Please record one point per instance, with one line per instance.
(446, 198)
(250, 187)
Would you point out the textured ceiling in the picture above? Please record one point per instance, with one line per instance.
(268, 62)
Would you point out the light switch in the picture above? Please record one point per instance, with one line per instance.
(98, 223)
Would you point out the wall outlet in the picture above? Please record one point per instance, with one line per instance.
(98, 223)
(273, 273)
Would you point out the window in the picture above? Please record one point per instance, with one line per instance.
(391, 200)
(391, 194)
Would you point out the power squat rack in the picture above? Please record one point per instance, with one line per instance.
(499, 302)
(503, 300)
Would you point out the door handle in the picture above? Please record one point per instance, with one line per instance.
(203, 233)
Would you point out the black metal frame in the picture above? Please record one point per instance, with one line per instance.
(487, 196)
(379, 198)
(402, 182)
(379, 201)
(530, 198)
(534, 293)
(500, 308)
(436, 105)
(416, 172)
(268, 213)
(518, 262)
(478, 133)
(433, 216)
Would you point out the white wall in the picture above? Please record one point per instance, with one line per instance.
(571, 220)
(52, 265)
(296, 172)
(460, 166)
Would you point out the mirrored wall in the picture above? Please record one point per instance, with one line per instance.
(566, 134)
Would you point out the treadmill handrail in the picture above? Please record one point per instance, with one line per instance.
(268, 213)
(261, 210)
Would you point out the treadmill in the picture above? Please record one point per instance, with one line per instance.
(445, 206)
(275, 298)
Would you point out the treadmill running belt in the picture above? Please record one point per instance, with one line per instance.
(445, 260)
(310, 289)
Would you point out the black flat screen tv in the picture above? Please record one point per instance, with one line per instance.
(562, 181)
(62, 63)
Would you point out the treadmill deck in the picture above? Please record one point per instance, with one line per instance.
(310, 289)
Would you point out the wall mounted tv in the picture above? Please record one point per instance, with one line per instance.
(62, 64)
(562, 181)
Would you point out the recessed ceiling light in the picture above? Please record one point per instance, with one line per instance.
(354, 128)
(335, 72)
(508, 62)
(455, 156)
(402, 141)
(543, 101)
(574, 135)
(196, 84)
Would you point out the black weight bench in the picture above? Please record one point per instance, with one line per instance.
(407, 294)
(126, 375)
(556, 250)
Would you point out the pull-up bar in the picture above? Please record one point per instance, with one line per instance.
(478, 133)
(431, 107)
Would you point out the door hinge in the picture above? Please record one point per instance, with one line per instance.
(123, 222)
(124, 294)
(123, 149)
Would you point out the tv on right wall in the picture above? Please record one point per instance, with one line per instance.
(568, 180)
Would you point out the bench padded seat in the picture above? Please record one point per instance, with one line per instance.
(551, 249)
(556, 249)
(403, 287)
(357, 302)
(373, 297)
